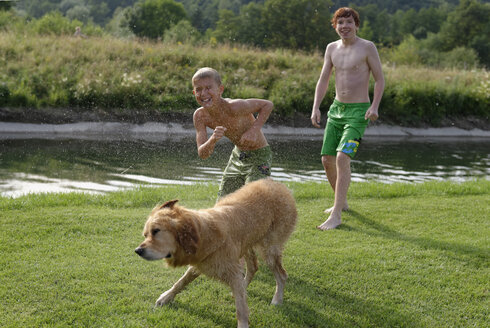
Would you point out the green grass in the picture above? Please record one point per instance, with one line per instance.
(406, 256)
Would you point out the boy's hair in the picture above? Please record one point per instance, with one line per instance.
(345, 12)
(207, 72)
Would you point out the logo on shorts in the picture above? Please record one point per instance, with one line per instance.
(264, 169)
(350, 147)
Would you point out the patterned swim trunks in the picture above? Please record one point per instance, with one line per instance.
(244, 167)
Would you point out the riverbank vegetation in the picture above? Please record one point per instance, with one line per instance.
(116, 75)
(44, 68)
(407, 255)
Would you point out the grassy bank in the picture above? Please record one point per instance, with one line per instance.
(406, 256)
(104, 74)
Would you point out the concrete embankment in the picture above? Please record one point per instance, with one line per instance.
(87, 129)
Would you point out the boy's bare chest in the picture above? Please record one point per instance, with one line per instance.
(234, 125)
(349, 60)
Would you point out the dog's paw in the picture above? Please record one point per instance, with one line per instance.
(165, 298)
(276, 301)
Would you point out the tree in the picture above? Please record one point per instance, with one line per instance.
(227, 26)
(467, 26)
(5, 5)
(182, 32)
(78, 12)
(300, 24)
(151, 18)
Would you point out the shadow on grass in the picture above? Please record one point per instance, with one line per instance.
(382, 230)
(327, 307)
(199, 310)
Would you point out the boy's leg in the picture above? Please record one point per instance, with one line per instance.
(330, 166)
(232, 178)
(341, 187)
(230, 184)
(350, 119)
(332, 137)
(258, 164)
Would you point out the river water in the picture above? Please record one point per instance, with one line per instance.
(100, 163)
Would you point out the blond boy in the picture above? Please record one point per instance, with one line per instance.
(354, 60)
(241, 121)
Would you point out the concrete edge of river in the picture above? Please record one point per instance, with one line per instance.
(112, 129)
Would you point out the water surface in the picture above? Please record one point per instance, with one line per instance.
(103, 164)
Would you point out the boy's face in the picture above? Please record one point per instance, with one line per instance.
(207, 91)
(346, 27)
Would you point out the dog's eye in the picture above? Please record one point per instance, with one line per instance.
(155, 231)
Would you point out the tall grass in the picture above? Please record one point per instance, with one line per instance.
(115, 75)
(405, 256)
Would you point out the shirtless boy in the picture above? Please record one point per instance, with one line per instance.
(354, 59)
(251, 158)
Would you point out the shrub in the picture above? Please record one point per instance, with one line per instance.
(182, 32)
(4, 94)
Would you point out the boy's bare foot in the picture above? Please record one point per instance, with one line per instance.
(330, 209)
(331, 223)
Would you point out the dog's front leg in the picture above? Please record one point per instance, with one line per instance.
(167, 297)
(237, 285)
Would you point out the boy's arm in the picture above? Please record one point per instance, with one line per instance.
(262, 108)
(321, 87)
(379, 82)
(205, 146)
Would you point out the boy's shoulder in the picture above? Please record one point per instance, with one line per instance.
(334, 44)
(366, 44)
(200, 114)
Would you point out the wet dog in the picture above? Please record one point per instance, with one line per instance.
(259, 217)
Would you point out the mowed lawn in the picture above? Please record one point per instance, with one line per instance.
(407, 255)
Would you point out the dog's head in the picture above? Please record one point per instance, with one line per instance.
(170, 234)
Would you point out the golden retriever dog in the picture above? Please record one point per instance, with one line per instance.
(259, 217)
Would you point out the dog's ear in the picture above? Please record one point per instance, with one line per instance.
(187, 237)
(169, 204)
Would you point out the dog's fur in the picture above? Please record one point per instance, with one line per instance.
(258, 217)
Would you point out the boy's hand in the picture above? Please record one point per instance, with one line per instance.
(219, 132)
(315, 118)
(371, 114)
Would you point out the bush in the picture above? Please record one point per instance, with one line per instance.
(182, 32)
(460, 57)
(54, 23)
(4, 94)
(111, 74)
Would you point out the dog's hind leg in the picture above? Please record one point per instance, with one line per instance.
(252, 266)
(167, 297)
(273, 258)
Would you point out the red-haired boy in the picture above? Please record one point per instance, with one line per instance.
(354, 60)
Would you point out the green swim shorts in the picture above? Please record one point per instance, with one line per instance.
(244, 167)
(345, 128)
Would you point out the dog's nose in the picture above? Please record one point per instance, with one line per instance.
(139, 251)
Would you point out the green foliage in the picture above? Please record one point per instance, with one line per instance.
(470, 19)
(56, 24)
(151, 18)
(297, 24)
(118, 25)
(4, 94)
(6, 5)
(113, 75)
(182, 32)
(293, 24)
(10, 22)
